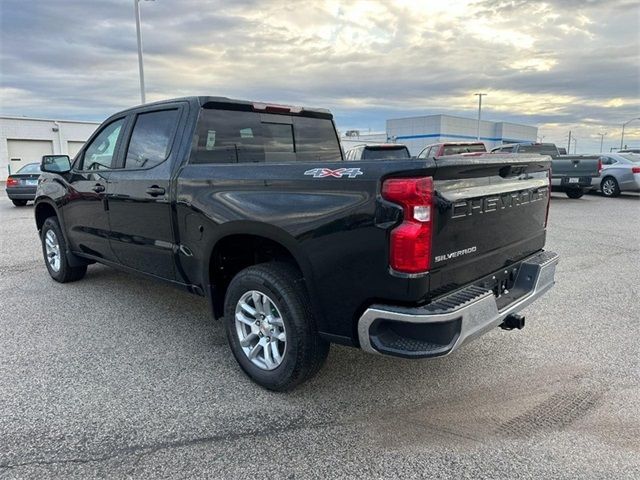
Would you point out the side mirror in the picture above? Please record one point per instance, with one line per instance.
(55, 163)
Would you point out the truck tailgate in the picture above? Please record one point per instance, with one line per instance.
(576, 166)
(490, 211)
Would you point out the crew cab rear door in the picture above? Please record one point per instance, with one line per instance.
(490, 211)
(139, 194)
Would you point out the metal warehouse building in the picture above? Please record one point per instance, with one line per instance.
(25, 140)
(418, 132)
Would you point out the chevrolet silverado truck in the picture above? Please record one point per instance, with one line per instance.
(253, 206)
(572, 174)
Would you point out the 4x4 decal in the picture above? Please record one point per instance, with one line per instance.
(338, 173)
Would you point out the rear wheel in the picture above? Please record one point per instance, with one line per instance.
(19, 203)
(270, 326)
(54, 249)
(610, 187)
(575, 193)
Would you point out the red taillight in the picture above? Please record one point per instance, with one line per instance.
(410, 242)
(635, 169)
(599, 165)
(12, 182)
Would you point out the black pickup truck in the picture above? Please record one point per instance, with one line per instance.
(253, 206)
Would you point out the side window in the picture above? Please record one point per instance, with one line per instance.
(150, 142)
(423, 153)
(506, 149)
(99, 153)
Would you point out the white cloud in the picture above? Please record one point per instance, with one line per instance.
(559, 64)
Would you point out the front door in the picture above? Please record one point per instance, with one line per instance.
(85, 212)
(139, 193)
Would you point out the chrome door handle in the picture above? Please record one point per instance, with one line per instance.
(155, 191)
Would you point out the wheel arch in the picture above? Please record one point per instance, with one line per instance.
(44, 209)
(241, 244)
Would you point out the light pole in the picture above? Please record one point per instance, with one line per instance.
(601, 140)
(575, 145)
(479, 95)
(624, 125)
(136, 6)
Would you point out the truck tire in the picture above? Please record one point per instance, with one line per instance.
(575, 193)
(19, 203)
(610, 187)
(54, 250)
(270, 326)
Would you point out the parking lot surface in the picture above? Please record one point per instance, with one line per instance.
(119, 376)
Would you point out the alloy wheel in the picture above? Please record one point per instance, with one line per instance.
(260, 329)
(608, 187)
(52, 247)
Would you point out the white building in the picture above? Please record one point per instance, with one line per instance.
(418, 132)
(25, 140)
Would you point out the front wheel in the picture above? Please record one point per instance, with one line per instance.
(270, 326)
(54, 249)
(575, 193)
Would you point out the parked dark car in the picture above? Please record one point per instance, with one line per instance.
(253, 206)
(373, 152)
(21, 186)
(572, 174)
(452, 148)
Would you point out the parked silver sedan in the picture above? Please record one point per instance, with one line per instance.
(620, 173)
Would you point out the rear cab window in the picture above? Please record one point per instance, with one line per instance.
(542, 149)
(375, 153)
(241, 136)
(464, 148)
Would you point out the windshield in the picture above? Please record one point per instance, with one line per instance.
(632, 157)
(469, 148)
(386, 152)
(30, 168)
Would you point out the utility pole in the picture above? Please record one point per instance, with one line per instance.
(569, 144)
(479, 95)
(601, 140)
(624, 125)
(136, 6)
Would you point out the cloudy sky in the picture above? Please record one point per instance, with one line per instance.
(560, 65)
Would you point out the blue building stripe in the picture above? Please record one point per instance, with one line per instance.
(470, 137)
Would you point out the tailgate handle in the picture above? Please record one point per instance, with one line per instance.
(511, 171)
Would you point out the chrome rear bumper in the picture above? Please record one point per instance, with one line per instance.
(449, 322)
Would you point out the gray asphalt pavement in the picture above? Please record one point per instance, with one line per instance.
(117, 376)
